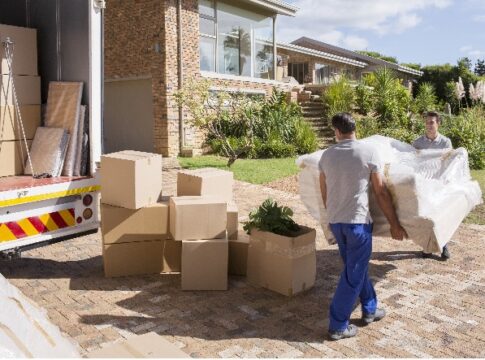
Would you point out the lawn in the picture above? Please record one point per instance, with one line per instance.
(259, 171)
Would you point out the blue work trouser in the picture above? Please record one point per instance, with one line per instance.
(355, 247)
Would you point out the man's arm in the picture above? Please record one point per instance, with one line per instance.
(323, 188)
(385, 203)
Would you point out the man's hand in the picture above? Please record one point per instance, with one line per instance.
(398, 232)
(385, 203)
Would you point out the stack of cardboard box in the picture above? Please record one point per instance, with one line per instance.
(134, 217)
(24, 76)
(204, 218)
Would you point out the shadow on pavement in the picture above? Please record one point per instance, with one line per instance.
(243, 311)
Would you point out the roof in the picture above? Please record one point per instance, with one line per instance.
(277, 6)
(321, 46)
(321, 54)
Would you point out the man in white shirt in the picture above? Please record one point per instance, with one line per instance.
(433, 140)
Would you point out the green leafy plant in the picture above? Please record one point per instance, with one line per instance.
(425, 99)
(273, 218)
(338, 97)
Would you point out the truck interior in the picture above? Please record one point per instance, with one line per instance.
(63, 49)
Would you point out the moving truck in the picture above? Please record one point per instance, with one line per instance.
(39, 211)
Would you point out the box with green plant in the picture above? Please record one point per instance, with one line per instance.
(281, 253)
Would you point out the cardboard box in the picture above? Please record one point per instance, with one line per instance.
(27, 89)
(283, 264)
(232, 220)
(204, 264)
(135, 258)
(12, 157)
(205, 182)
(197, 217)
(172, 256)
(24, 50)
(131, 179)
(9, 122)
(238, 255)
(121, 225)
(150, 345)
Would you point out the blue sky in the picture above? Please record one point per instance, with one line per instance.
(419, 31)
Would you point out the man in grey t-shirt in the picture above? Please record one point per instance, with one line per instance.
(433, 140)
(347, 170)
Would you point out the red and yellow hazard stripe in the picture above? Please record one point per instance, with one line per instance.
(36, 225)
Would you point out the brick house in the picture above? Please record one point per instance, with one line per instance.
(311, 52)
(153, 46)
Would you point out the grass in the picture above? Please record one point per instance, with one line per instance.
(477, 216)
(261, 171)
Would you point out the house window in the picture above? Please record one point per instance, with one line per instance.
(299, 71)
(207, 30)
(235, 41)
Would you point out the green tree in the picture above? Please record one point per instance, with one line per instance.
(414, 66)
(480, 67)
(377, 55)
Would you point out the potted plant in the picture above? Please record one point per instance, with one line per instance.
(281, 253)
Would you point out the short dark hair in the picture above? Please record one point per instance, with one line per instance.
(343, 122)
(435, 115)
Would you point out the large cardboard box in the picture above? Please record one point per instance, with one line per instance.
(205, 182)
(197, 217)
(172, 256)
(204, 264)
(135, 258)
(131, 179)
(24, 50)
(10, 124)
(238, 255)
(283, 264)
(121, 225)
(150, 345)
(232, 220)
(27, 89)
(12, 157)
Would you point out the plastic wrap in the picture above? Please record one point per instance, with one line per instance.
(48, 151)
(25, 330)
(432, 191)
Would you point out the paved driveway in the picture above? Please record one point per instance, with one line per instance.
(435, 309)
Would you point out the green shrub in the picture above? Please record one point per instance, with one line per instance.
(364, 99)
(276, 129)
(392, 100)
(468, 130)
(425, 99)
(339, 96)
(274, 147)
(305, 138)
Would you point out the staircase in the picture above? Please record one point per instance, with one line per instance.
(313, 112)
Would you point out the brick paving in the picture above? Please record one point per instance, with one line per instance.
(435, 309)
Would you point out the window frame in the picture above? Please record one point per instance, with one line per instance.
(253, 43)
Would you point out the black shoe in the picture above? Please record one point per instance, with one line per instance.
(370, 318)
(427, 255)
(445, 254)
(351, 331)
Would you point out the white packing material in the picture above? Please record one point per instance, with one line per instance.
(432, 190)
(48, 151)
(25, 330)
(62, 111)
